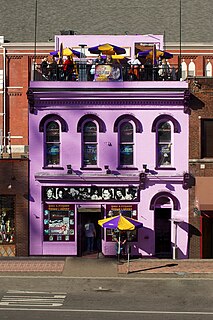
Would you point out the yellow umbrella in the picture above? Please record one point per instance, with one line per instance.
(117, 57)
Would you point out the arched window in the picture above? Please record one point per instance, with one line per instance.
(191, 71)
(208, 72)
(126, 144)
(89, 144)
(52, 144)
(164, 144)
(184, 70)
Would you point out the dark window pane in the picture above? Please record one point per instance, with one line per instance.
(7, 221)
(90, 132)
(126, 132)
(90, 154)
(164, 132)
(207, 138)
(52, 132)
(164, 154)
(52, 152)
(126, 154)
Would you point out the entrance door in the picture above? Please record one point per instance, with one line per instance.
(207, 236)
(163, 248)
(85, 214)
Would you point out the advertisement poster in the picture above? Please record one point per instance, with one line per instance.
(93, 193)
(59, 222)
(108, 72)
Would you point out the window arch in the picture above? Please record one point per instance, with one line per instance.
(164, 143)
(184, 70)
(126, 144)
(208, 70)
(52, 144)
(89, 143)
(191, 70)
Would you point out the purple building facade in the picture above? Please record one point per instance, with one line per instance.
(99, 149)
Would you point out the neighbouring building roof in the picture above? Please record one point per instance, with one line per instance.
(17, 19)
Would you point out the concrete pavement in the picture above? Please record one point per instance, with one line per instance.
(94, 266)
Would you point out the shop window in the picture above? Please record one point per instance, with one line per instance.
(207, 138)
(126, 211)
(90, 144)
(164, 144)
(59, 222)
(208, 70)
(52, 144)
(7, 220)
(126, 144)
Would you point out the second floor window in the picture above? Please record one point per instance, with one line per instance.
(52, 147)
(164, 144)
(126, 144)
(89, 144)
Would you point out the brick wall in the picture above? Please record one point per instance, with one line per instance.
(201, 107)
(15, 173)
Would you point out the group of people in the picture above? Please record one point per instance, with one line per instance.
(148, 71)
(58, 70)
(133, 70)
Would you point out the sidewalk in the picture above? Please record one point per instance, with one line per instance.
(92, 266)
(164, 266)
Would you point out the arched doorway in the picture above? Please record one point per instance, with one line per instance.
(162, 216)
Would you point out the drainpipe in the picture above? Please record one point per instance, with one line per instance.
(4, 100)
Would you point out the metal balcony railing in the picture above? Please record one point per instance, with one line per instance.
(107, 72)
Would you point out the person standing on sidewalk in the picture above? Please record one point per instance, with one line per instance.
(90, 234)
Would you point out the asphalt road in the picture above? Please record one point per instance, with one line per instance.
(59, 298)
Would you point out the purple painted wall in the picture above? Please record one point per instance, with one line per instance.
(128, 42)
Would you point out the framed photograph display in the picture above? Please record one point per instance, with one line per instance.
(59, 222)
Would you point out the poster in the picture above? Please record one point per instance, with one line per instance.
(59, 222)
(108, 72)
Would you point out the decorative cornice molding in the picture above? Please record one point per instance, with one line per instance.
(15, 57)
(14, 93)
(102, 102)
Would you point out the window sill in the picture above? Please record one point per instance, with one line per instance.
(127, 168)
(52, 168)
(91, 168)
(165, 168)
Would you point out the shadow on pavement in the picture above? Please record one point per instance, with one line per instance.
(153, 268)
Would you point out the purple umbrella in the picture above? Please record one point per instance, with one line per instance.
(66, 52)
(107, 48)
(158, 53)
(121, 223)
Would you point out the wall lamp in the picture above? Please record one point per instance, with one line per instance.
(146, 170)
(69, 169)
(108, 171)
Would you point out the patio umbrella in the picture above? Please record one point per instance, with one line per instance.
(66, 52)
(121, 223)
(107, 48)
(158, 53)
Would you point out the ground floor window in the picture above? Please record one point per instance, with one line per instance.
(7, 220)
(127, 211)
(59, 222)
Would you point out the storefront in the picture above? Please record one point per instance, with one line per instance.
(66, 210)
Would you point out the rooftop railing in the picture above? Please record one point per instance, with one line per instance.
(106, 72)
